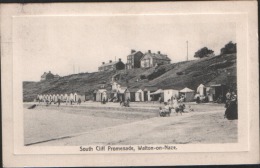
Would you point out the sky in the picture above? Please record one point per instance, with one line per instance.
(58, 44)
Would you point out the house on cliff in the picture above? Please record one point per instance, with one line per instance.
(153, 59)
(116, 65)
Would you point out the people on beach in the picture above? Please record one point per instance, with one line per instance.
(79, 101)
(59, 102)
(231, 107)
(164, 111)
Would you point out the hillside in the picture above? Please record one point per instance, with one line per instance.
(218, 69)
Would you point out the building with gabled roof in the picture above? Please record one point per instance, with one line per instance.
(133, 59)
(154, 59)
(110, 66)
(47, 76)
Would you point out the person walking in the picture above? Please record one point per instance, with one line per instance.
(59, 102)
(79, 101)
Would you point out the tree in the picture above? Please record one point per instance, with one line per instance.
(229, 48)
(204, 52)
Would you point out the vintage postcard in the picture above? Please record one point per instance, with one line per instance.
(109, 83)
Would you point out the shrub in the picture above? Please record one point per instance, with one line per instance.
(204, 52)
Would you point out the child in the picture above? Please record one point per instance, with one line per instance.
(165, 110)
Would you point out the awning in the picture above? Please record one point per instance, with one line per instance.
(159, 91)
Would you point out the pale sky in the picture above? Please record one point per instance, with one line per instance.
(56, 43)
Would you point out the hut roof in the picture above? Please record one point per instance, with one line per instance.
(186, 90)
(150, 88)
(133, 89)
(101, 90)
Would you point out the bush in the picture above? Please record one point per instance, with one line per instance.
(204, 52)
(229, 48)
(143, 77)
(156, 73)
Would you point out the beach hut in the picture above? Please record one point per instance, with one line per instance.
(188, 94)
(81, 97)
(58, 97)
(121, 93)
(75, 97)
(139, 95)
(101, 94)
(43, 97)
(65, 97)
(71, 97)
(210, 93)
(201, 90)
(216, 90)
(169, 93)
(94, 95)
(55, 98)
(61, 97)
(49, 97)
(127, 94)
(39, 97)
(147, 91)
(157, 94)
(132, 93)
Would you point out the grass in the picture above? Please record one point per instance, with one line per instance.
(177, 75)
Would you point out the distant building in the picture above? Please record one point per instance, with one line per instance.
(133, 60)
(153, 59)
(116, 65)
(56, 76)
(47, 76)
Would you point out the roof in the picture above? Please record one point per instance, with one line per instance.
(135, 53)
(133, 89)
(56, 75)
(201, 85)
(101, 90)
(122, 90)
(157, 56)
(44, 75)
(150, 88)
(172, 87)
(110, 63)
(186, 90)
(159, 91)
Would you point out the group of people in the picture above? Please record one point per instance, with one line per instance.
(173, 103)
(231, 106)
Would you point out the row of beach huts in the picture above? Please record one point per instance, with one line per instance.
(155, 94)
(74, 97)
(149, 93)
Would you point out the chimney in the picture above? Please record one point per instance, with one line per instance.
(103, 63)
(149, 51)
(119, 59)
(132, 51)
(110, 61)
(159, 52)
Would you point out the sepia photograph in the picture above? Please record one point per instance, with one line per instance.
(127, 80)
(134, 78)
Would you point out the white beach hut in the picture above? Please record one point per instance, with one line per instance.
(169, 93)
(71, 97)
(139, 95)
(201, 90)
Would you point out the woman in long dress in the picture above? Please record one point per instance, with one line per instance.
(231, 111)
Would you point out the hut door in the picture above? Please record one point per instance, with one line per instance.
(145, 96)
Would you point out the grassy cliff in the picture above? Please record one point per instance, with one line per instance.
(218, 69)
